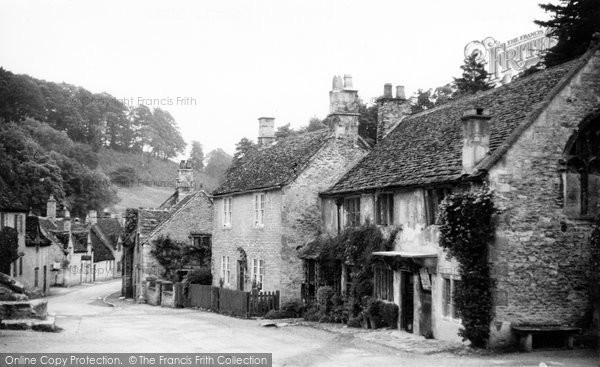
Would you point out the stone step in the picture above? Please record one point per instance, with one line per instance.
(32, 309)
(48, 325)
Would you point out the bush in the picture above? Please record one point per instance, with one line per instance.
(274, 314)
(312, 314)
(124, 176)
(355, 321)
(293, 308)
(324, 295)
(199, 276)
(389, 314)
(374, 311)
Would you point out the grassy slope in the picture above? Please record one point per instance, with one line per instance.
(147, 169)
(141, 197)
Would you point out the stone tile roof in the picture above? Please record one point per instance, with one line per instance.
(102, 251)
(63, 237)
(426, 148)
(275, 165)
(34, 236)
(150, 219)
(111, 228)
(80, 241)
(176, 209)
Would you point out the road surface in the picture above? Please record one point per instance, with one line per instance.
(88, 324)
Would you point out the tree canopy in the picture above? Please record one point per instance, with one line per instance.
(96, 119)
(197, 156)
(573, 24)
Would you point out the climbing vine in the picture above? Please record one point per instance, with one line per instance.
(170, 254)
(354, 248)
(131, 220)
(466, 229)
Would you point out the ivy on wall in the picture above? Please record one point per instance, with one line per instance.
(354, 248)
(595, 278)
(466, 229)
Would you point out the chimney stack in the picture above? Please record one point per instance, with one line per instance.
(343, 108)
(67, 219)
(266, 131)
(391, 110)
(92, 217)
(185, 179)
(476, 137)
(51, 207)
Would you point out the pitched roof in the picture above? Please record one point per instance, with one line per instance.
(174, 210)
(111, 228)
(426, 148)
(275, 165)
(102, 251)
(80, 241)
(33, 232)
(149, 219)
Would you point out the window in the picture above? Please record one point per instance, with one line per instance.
(225, 269)
(449, 309)
(385, 209)
(581, 179)
(258, 273)
(36, 276)
(433, 198)
(259, 210)
(202, 246)
(21, 265)
(227, 212)
(352, 210)
(383, 283)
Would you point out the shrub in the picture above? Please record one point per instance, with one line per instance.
(374, 311)
(355, 321)
(324, 295)
(124, 176)
(274, 314)
(199, 276)
(389, 314)
(312, 314)
(293, 308)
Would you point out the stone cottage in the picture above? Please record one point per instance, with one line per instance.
(268, 204)
(536, 142)
(186, 216)
(106, 239)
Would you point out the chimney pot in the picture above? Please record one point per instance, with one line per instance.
(51, 207)
(348, 81)
(400, 92)
(387, 90)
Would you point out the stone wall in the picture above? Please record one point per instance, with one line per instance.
(261, 242)
(302, 212)
(196, 216)
(541, 256)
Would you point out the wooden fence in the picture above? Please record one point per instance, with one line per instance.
(263, 302)
(231, 302)
(200, 296)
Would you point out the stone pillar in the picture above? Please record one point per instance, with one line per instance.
(266, 131)
(476, 138)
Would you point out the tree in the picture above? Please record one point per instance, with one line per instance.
(197, 156)
(474, 78)
(284, 131)
(573, 24)
(9, 248)
(217, 164)
(243, 149)
(422, 101)
(367, 121)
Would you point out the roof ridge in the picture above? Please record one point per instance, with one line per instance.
(172, 214)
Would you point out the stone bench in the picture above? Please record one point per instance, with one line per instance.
(526, 334)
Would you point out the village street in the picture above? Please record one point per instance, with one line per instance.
(89, 323)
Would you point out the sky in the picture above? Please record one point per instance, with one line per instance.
(217, 66)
